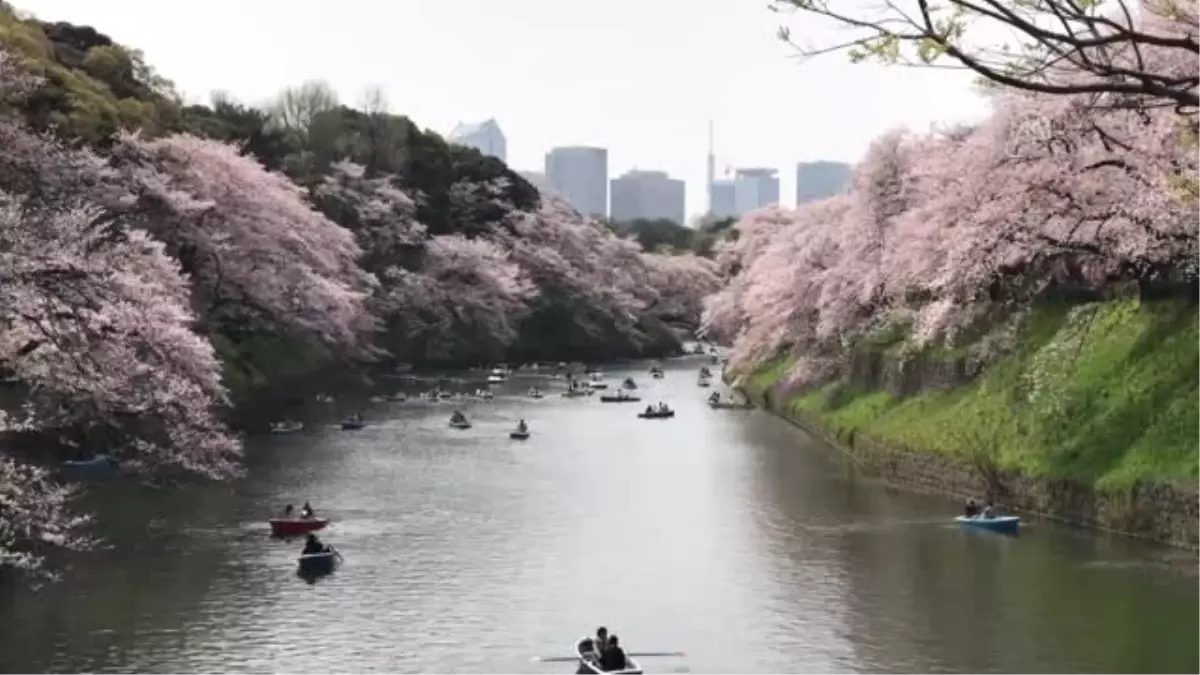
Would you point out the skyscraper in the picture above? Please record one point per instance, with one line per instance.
(648, 195)
(754, 189)
(580, 175)
(722, 195)
(818, 180)
(485, 137)
(748, 190)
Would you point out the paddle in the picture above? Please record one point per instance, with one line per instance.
(566, 659)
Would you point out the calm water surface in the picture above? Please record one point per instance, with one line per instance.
(728, 535)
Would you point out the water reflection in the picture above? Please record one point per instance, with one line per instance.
(728, 535)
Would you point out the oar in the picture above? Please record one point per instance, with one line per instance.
(565, 659)
(337, 553)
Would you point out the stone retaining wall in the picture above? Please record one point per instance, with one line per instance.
(1162, 512)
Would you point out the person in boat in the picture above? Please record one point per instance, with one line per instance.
(613, 657)
(715, 398)
(306, 511)
(289, 511)
(649, 410)
(522, 427)
(312, 545)
(595, 645)
(989, 511)
(971, 509)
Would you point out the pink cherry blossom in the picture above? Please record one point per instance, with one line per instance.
(260, 257)
(943, 230)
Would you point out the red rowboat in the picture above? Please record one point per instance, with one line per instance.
(291, 527)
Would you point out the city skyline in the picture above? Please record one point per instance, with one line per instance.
(738, 191)
(550, 82)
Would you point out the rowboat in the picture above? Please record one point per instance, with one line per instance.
(589, 660)
(288, 427)
(518, 435)
(579, 391)
(730, 405)
(97, 465)
(658, 375)
(535, 393)
(657, 415)
(318, 563)
(294, 527)
(619, 397)
(460, 424)
(1004, 524)
(703, 383)
(353, 425)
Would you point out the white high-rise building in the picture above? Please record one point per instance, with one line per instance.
(648, 195)
(819, 180)
(580, 175)
(754, 189)
(748, 190)
(723, 195)
(485, 137)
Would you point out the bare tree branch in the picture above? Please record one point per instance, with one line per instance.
(1125, 58)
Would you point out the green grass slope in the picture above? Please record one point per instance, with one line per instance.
(1104, 393)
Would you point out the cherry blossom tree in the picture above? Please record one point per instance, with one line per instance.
(587, 274)
(96, 324)
(382, 216)
(260, 257)
(680, 284)
(942, 231)
(464, 290)
(35, 517)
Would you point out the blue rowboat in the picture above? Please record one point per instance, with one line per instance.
(1004, 524)
(318, 563)
(98, 465)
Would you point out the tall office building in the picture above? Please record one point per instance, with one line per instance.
(647, 195)
(755, 188)
(580, 175)
(819, 180)
(722, 195)
(485, 137)
(748, 190)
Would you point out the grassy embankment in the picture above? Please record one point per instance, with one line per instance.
(1105, 394)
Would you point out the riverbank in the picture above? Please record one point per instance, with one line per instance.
(1090, 420)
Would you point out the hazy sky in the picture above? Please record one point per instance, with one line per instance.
(640, 77)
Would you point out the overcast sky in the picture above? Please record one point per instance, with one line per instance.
(639, 77)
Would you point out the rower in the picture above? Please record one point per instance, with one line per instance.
(971, 509)
(306, 511)
(989, 511)
(593, 646)
(312, 545)
(289, 511)
(613, 657)
(522, 427)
